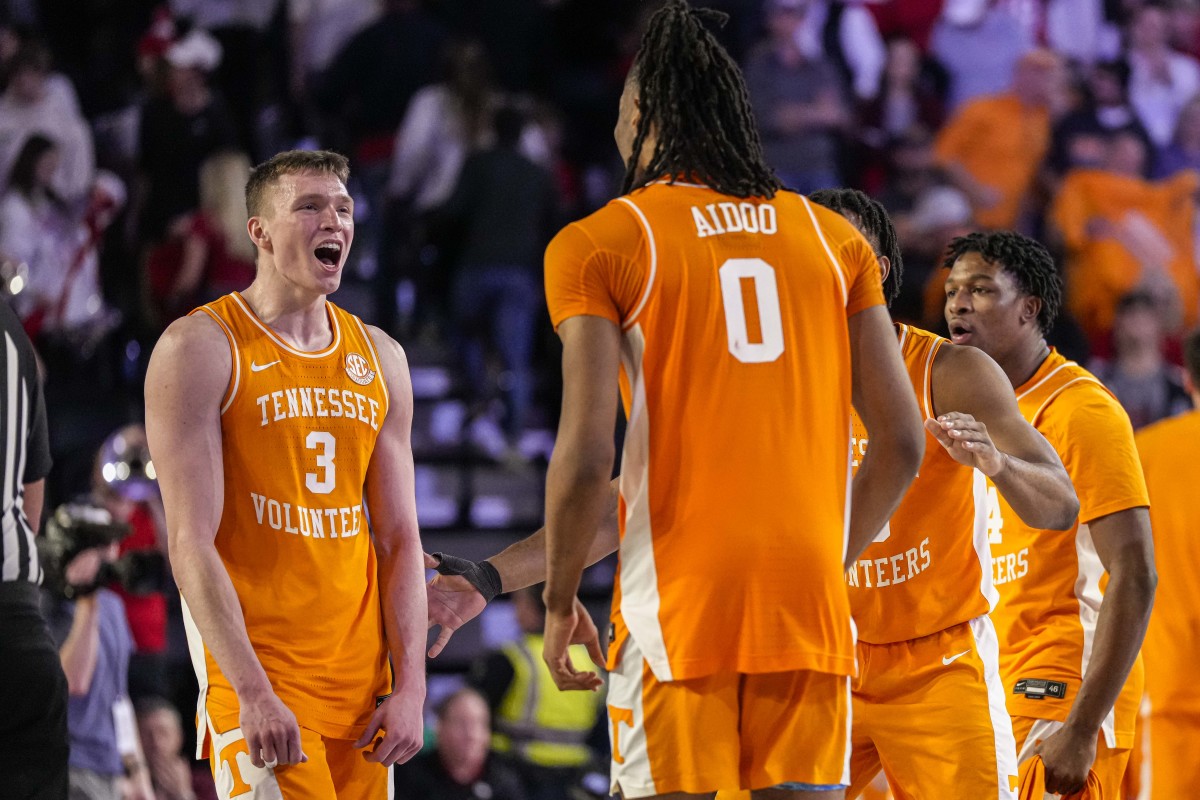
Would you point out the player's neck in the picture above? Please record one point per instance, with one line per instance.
(294, 313)
(1024, 360)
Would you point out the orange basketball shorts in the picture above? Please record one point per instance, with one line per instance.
(727, 731)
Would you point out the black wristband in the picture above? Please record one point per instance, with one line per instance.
(480, 574)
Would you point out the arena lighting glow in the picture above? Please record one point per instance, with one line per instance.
(16, 285)
(150, 473)
(109, 471)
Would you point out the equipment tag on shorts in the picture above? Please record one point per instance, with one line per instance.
(1038, 689)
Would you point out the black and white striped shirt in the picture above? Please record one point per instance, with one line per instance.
(25, 445)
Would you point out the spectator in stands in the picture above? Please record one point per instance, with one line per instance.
(94, 646)
(979, 43)
(123, 482)
(1124, 233)
(502, 213)
(171, 775)
(461, 766)
(208, 252)
(800, 102)
(318, 29)
(1162, 80)
(179, 131)
(993, 146)
(1080, 138)
(56, 242)
(37, 101)
(911, 94)
(843, 34)
(1148, 387)
(543, 730)
(1183, 153)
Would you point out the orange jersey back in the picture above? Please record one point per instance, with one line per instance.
(735, 375)
(1051, 583)
(929, 569)
(298, 430)
(1172, 648)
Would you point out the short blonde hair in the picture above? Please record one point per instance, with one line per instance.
(291, 162)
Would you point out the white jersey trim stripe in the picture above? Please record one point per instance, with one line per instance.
(1052, 373)
(987, 644)
(235, 380)
(653, 262)
(196, 651)
(333, 321)
(1087, 592)
(640, 601)
(8, 524)
(927, 381)
(1038, 414)
(837, 265)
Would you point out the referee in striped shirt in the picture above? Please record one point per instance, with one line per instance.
(33, 689)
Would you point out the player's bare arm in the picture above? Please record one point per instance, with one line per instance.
(391, 499)
(186, 380)
(884, 400)
(1126, 549)
(978, 423)
(454, 600)
(578, 487)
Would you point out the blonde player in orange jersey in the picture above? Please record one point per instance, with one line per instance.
(1073, 606)
(737, 319)
(276, 419)
(1171, 726)
(921, 592)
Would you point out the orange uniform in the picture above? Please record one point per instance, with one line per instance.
(735, 377)
(1001, 143)
(298, 431)
(1051, 583)
(933, 666)
(1172, 647)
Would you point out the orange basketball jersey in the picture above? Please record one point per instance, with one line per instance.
(298, 430)
(735, 376)
(929, 569)
(1172, 648)
(1051, 583)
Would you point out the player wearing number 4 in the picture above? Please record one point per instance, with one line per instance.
(928, 701)
(737, 319)
(271, 415)
(1073, 606)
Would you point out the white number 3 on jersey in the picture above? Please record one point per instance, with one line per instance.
(328, 445)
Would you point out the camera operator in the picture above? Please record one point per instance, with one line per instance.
(33, 690)
(95, 644)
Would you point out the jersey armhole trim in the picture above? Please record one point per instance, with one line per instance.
(837, 265)
(928, 380)
(235, 377)
(1037, 415)
(1048, 376)
(387, 397)
(637, 310)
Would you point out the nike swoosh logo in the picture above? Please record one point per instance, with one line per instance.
(947, 661)
(260, 367)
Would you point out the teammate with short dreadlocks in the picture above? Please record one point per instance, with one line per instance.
(737, 319)
(1068, 647)
(921, 592)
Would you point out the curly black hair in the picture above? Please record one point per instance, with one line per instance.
(1025, 259)
(695, 97)
(876, 226)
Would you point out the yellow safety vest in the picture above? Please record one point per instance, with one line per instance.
(535, 721)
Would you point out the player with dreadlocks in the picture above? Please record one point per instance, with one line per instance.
(921, 592)
(736, 319)
(1068, 648)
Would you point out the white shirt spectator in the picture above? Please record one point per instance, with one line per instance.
(56, 116)
(321, 27)
(1158, 96)
(858, 38)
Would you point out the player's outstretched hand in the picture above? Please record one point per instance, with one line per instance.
(453, 602)
(399, 719)
(562, 631)
(1068, 756)
(271, 731)
(966, 440)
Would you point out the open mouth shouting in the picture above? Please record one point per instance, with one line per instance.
(329, 253)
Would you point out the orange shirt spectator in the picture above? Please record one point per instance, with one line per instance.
(993, 146)
(1122, 233)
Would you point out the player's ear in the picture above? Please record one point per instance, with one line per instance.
(258, 233)
(1031, 308)
(885, 267)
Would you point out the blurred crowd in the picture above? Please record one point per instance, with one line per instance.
(475, 129)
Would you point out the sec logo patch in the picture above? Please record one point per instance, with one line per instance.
(359, 370)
